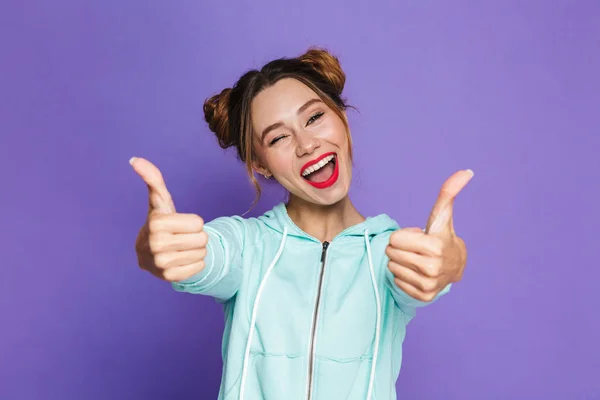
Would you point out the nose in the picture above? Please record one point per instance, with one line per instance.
(306, 143)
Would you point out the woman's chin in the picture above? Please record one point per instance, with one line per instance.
(329, 196)
(317, 194)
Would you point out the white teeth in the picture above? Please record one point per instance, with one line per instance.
(318, 165)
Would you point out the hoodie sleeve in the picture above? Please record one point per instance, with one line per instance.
(222, 273)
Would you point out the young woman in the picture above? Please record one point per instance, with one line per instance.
(316, 296)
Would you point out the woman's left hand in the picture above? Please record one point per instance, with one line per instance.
(425, 261)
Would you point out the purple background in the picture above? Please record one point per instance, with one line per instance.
(507, 88)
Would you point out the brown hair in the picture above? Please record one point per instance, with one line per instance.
(228, 113)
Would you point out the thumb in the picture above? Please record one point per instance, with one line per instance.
(441, 217)
(158, 194)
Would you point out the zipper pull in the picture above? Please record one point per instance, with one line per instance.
(325, 246)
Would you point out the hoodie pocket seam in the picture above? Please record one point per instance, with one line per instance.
(348, 360)
(318, 357)
(276, 355)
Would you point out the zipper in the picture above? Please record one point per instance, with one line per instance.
(311, 357)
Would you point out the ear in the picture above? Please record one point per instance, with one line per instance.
(259, 168)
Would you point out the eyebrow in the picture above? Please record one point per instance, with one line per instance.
(280, 124)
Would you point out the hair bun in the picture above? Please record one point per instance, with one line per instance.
(327, 65)
(216, 114)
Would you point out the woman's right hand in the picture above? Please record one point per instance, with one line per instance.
(170, 245)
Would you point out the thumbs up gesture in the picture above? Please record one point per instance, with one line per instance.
(424, 262)
(170, 245)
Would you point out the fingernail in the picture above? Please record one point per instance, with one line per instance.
(471, 172)
(131, 160)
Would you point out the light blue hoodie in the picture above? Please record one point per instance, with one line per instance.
(305, 319)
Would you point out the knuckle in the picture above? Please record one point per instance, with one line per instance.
(392, 267)
(154, 224)
(170, 275)
(428, 271)
(201, 265)
(437, 247)
(395, 237)
(421, 285)
(161, 260)
(155, 247)
(190, 257)
(181, 273)
(203, 239)
(156, 243)
(398, 282)
(433, 269)
(197, 222)
(429, 296)
(388, 251)
(429, 285)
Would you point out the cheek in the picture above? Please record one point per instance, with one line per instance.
(279, 164)
(338, 136)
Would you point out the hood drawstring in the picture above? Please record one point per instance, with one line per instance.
(255, 309)
(378, 320)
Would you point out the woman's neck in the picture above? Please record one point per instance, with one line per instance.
(323, 222)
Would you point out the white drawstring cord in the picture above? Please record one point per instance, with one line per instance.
(377, 328)
(254, 311)
(257, 301)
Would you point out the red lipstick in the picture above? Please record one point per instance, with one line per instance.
(332, 179)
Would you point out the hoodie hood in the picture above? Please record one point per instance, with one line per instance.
(279, 220)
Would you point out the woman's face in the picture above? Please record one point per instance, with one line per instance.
(301, 142)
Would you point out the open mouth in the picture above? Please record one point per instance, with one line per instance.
(322, 172)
